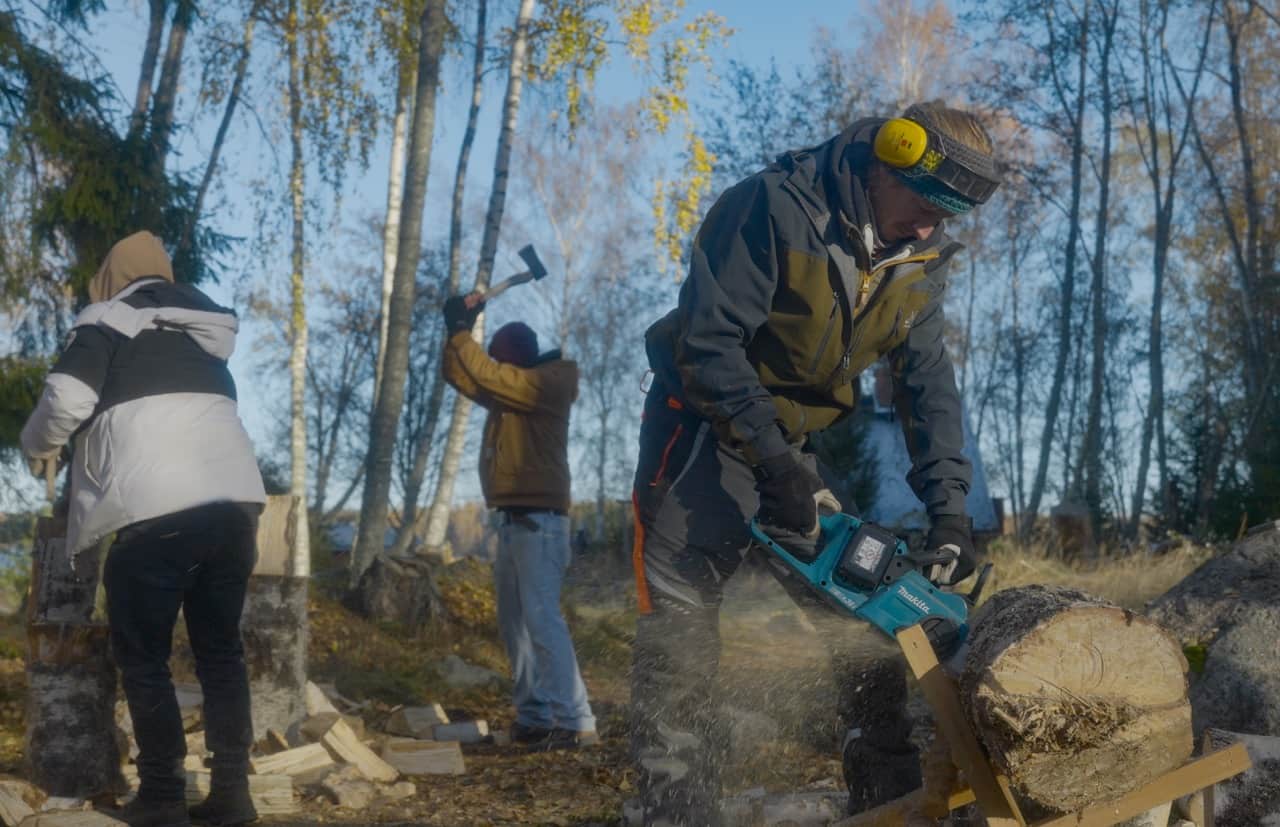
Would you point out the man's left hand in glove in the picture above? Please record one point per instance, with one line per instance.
(948, 555)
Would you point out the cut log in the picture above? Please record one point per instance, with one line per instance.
(345, 746)
(412, 756)
(305, 765)
(1076, 701)
(416, 721)
(466, 732)
(13, 807)
(274, 622)
(71, 748)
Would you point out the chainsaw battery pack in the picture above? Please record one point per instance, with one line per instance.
(867, 557)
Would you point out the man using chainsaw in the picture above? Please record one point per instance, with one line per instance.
(524, 473)
(163, 463)
(801, 276)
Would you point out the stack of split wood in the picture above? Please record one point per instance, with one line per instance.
(330, 753)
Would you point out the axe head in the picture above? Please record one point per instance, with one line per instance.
(534, 263)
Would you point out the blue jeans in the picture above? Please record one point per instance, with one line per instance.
(533, 553)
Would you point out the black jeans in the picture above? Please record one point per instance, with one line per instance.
(198, 560)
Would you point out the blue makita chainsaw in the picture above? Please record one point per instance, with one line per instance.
(865, 571)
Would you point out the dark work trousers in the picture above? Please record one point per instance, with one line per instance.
(694, 497)
(198, 560)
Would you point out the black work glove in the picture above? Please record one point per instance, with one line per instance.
(948, 555)
(790, 496)
(458, 317)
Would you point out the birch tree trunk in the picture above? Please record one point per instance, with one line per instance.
(438, 519)
(298, 306)
(387, 404)
(408, 78)
(412, 523)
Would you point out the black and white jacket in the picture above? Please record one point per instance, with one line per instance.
(144, 390)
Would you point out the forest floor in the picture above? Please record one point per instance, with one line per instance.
(771, 662)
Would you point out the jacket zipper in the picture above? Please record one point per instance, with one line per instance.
(826, 336)
(860, 310)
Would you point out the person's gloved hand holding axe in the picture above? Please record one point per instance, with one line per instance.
(791, 497)
(461, 312)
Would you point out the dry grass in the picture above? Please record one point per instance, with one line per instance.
(1130, 580)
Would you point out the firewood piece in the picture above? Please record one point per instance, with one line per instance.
(345, 746)
(13, 807)
(416, 721)
(413, 756)
(305, 765)
(465, 732)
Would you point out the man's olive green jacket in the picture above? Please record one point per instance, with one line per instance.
(784, 307)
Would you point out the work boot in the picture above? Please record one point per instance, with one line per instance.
(141, 812)
(228, 802)
(526, 734)
(566, 739)
(878, 773)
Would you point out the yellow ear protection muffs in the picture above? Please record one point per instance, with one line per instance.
(942, 170)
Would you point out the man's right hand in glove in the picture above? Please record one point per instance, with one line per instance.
(790, 496)
(461, 312)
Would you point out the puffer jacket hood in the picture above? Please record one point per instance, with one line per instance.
(139, 256)
(213, 329)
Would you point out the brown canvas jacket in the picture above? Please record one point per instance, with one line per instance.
(524, 455)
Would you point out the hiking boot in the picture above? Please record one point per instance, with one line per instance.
(525, 734)
(141, 812)
(228, 804)
(559, 739)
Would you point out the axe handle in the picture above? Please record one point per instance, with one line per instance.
(506, 284)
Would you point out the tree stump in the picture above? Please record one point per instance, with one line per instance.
(274, 623)
(71, 747)
(1077, 701)
(399, 590)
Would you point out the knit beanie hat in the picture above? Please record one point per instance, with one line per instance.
(515, 344)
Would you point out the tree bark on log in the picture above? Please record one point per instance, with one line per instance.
(1077, 701)
(274, 622)
(71, 747)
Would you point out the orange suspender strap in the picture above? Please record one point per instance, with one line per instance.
(637, 559)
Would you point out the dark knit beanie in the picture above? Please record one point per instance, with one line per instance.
(515, 344)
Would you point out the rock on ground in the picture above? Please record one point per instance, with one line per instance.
(459, 674)
(1230, 606)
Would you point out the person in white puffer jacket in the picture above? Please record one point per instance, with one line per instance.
(161, 459)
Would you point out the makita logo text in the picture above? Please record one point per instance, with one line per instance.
(913, 600)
